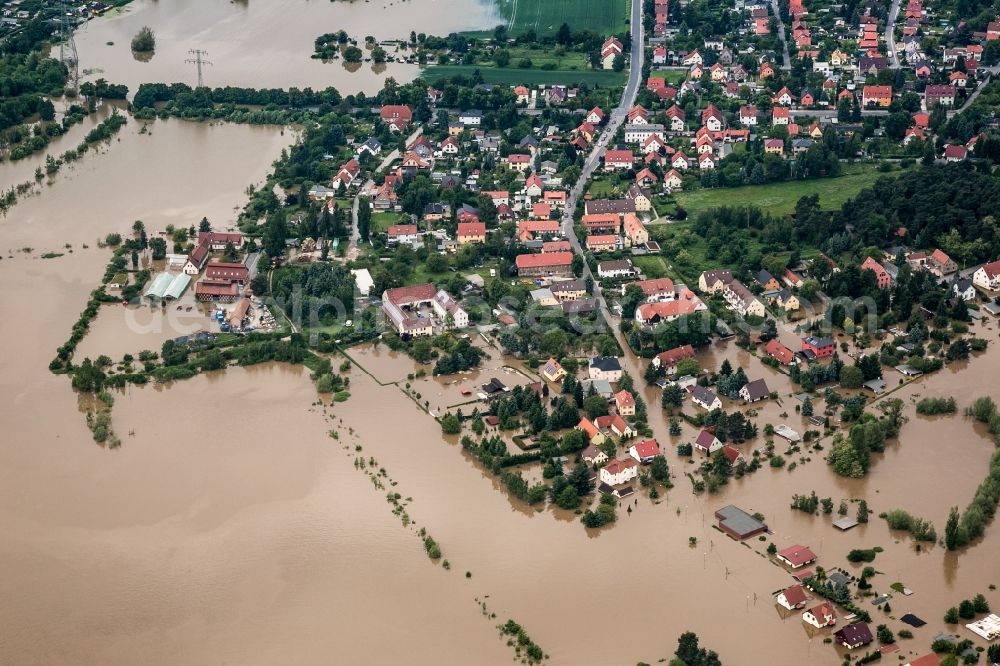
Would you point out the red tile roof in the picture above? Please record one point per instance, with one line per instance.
(548, 259)
(797, 555)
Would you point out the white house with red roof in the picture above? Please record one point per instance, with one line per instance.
(792, 598)
(644, 451)
(625, 403)
(668, 360)
(397, 116)
(660, 55)
(595, 116)
(638, 115)
(712, 118)
(987, 276)
(748, 115)
(615, 160)
(611, 49)
(953, 153)
(821, 616)
(619, 471)
(673, 181)
(779, 115)
(796, 556)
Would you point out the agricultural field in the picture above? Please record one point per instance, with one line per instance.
(780, 198)
(545, 16)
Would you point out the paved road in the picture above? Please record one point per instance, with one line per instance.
(890, 35)
(352, 245)
(992, 71)
(786, 61)
(618, 115)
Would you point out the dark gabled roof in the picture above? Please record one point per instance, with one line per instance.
(606, 363)
(855, 634)
(704, 395)
(757, 389)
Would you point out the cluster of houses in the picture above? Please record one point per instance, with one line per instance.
(421, 310)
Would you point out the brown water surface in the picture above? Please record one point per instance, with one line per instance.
(266, 44)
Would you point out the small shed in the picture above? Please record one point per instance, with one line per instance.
(845, 524)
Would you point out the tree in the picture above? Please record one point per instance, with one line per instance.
(353, 54)
(673, 397)
(275, 233)
(595, 406)
(966, 610)
(144, 40)
(862, 511)
(618, 64)
(567, 498)
(851, 377)
(951, 616)
(450, 425)
(364, 218)
(807, 407)
(951, 530)
(980, 605)
(158, 247)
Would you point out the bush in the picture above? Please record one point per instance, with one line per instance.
(861, 555)
(931, 406)
(144, 40)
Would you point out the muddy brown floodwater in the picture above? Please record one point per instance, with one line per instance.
(246, 50)
(229, 527)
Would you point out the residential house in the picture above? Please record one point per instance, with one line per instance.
(347, 173)
(545, 265)
(618, 159)
(593, 455)
(602, 243)
(707, 442)
(568, 290)
(620, 268)
(668, 360)
(779, 352)
(625, 403)
(796, 556)
(748, 115)
(611, 49)
(616, 425)
(821, 616)
(818, 347)
(964, 289)
(767, 281)
(792, 598)
(877, 96)
(953, 153)
(755, 391)
(619, 471)
(672, 181)
(651, 314)
(401, 308)
(780, 115)
(742, 300)
(941, 264)
(705, 398)
(643, 452)
(605, 367)
(774, 146)
(591, 431)
(987, 276)
(543, 297)
(882, 277)
(854, 635)
(397, 116)
(553, 371)
(471, 118)
(712, 282)
(942, 94)
(471, 233)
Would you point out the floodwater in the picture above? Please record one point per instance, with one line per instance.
(230, 527)
(246, 50)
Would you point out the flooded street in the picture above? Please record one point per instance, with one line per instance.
(245, 50)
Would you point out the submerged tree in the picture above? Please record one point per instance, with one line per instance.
(144, 40)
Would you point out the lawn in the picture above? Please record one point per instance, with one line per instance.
(780, 198)
(652, 266)
(545, 16)
(601, 189)
(382, 221)
(530, 77)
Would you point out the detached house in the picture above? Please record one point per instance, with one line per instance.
(619, 471)
(820, 616)
(854, 635)
(553, 371)
(882, 277)
(668, 360)
(471, 233)
(397, 116)
(643, 452)
(987, 276)
(796, 556)
(792, 598)
(611, 49)
(608, 368)
(705, 398)
(755, 391)
(625, 403)
(877, 96)
(707, 443)
(618, 159)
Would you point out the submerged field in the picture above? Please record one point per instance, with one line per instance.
(545, 16)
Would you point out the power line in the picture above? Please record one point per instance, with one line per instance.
(67, 45)
(198, 60)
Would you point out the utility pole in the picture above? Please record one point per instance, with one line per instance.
(198, 60)
(67, 46)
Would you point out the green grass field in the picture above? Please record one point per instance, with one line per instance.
(382, 221)
(512, 76)
(545, 16)
(780, 198)
(652, 266)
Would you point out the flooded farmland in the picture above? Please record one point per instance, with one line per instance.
(245, 50)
